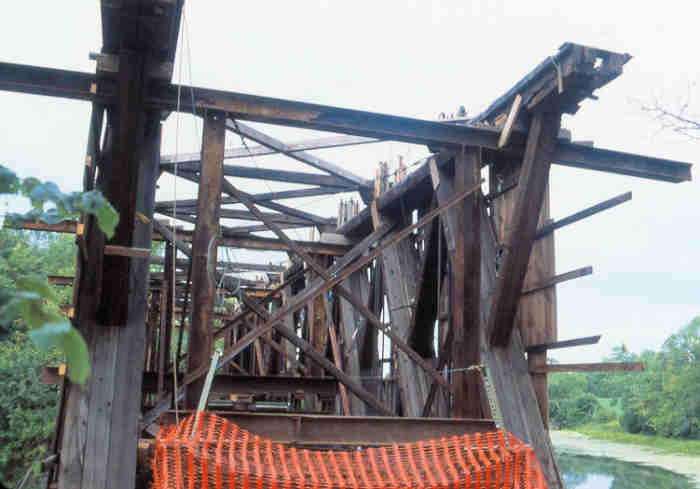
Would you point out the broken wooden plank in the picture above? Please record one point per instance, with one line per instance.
(589, 211)
(510, 121)
(543, 347)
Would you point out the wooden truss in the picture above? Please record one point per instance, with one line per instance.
(464, 290)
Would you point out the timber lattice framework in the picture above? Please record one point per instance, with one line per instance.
(438, 258)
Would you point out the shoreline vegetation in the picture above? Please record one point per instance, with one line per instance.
(613, 432)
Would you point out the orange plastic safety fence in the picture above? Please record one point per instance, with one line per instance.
(217, 454)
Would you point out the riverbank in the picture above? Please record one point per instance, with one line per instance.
(613, 432)
(577, 443)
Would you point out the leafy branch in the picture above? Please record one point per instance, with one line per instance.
(49, 328)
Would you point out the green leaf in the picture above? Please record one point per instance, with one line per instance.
(31, 309)
(50, 334)
(9, 183)
(69, 340)
(36, 285)
(77, 356)
(107, 217)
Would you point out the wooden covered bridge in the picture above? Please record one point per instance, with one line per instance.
(454, 272)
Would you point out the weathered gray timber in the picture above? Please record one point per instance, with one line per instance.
(204, 251)
(400, 267)
(519, 239)
(354, 330)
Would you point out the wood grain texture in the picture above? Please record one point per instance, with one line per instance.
(204, 250)
(519, 238)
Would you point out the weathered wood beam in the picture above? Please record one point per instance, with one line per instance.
(247, 216)
(97, 445)
(236, 266)
(258, 228)
(534, 176)
(62, 83)
(543, 347)
(232, 384)
(285, 176)
(204, 251)
(338, 274)
(229, 240)
(508, 373)
(591, 367)
(550, 227)
(258, 198)
(400, 270)
(292, 212)
(309, 293)
(306, 145)
(557, 279)
(466, 276)
(323, 273)
(48, 81)
(308, 349)
(349, 431)
(312, 160)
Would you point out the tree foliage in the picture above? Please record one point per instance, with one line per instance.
(28, 299)
(28, 407)
(663, 400)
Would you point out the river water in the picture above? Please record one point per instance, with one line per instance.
(596, 464)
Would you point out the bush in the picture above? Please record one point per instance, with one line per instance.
(632, 422)
(604, 415)
(27, 407)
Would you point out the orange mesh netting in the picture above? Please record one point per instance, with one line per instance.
(218, 454)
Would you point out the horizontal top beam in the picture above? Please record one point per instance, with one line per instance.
(62, 83)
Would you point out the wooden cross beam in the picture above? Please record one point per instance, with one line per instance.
(312, 160)
(293, 213)
(323, 273)
(257, 198)
(285, 176)
(252, 151)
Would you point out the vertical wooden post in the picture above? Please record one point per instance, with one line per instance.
(167, 313)
(355, 331)
(204, 247)
(100, 429)
(537, 313)
(466, 276)
(400, 266)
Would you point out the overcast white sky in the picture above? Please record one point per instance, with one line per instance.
(418, 59)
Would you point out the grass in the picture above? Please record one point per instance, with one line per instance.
(612, 431)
